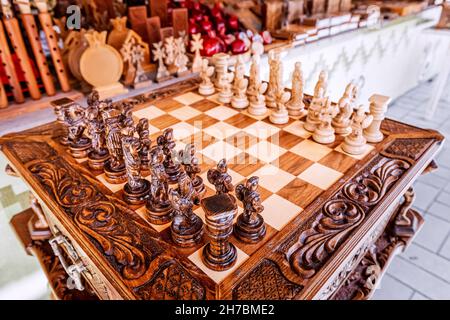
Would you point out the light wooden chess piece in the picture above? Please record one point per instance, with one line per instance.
(141, 78)
(136, 189)
(341, 122)
(162, 73)
(273, 84)
(324, 132)
(224, 83)
(239, 99)
(312, 117)
(250, 226)
(257, 103)
(206, 88)
(181, 59)
(254, 78)
(280, 115)
(170, 54)
(320, 90)
(219, 253)
(355, 143)
(295, 106)
(196, 46)
(221, 62)
(378, 108)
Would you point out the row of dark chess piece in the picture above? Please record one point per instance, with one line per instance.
(105, 133)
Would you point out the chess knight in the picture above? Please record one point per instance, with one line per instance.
(173, 169)
(220, 178)
(159, 210)
(76, 122)
(136, 189)
(192, 168)
(186, 228)
(250, 226)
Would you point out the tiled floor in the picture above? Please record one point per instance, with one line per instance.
(422, 272)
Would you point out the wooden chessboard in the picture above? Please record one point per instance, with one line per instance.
(323, 208)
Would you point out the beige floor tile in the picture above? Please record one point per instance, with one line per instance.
(320, 176)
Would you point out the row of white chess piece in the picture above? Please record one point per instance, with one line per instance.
(323, 118)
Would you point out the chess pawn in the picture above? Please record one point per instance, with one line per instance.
(206, 88)
(220, 178)
(159, 210)
(136, 189)
(250, 226)
(239, 99)
(312, 116)
(224, 83)
(355, 143)
(295, 106)
(186, 228)
(257, 103)
(219, 253)
(192, 168)
(341, 122)
(324, 132)
(173, 169)
(162, 74)
(99, 154)
(280, 115)
(378, 108)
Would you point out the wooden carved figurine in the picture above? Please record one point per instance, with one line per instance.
(186, 228)
(141, 78)
(224, 83)
(181, 59)
(341, 122)
(206, 88)
(136, 189)
(280, 115)
(159, 210)
(220, 178)
(219, 253)
(142, 129)
(250, 226)
(295, 106)
(324, 132)
(257, 102)
(59, 107)
(196, 47)
(162, 74)
(321, 86)
(115, 171)
(312, 116)
(99, 153)
(274, 60)
(166, 141)
(169, 58)
(76, 122)
(355, 142)
(192, 168)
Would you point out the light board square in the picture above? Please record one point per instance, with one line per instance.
(320, 176)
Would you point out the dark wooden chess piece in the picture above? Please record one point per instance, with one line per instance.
(75, 119)
(136, 189)
(142, 130)
(167, 143)
(220, 178)
(186, 228)
(115, 171)
(219, 254)
(159, 210)
(250, 226)
(126, 116)
(99, 153)
(59, 107)
(192, 168)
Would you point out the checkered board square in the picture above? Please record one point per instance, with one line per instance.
(293, 169)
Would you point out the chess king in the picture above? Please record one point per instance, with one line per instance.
(250, 226)
(136, 189)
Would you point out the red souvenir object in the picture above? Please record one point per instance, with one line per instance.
(207, 25)
(238, 46)
(221, 28)
(217, 11)
(211, 45)
(267, 37)
(193, 27)
(233, 23)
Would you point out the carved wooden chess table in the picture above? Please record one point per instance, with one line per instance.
(333, 221)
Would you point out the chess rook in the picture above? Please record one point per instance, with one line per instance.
(378, 108)
(250, 226)
(220, 68)
(219, 254)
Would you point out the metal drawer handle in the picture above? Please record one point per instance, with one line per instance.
(75, 270)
